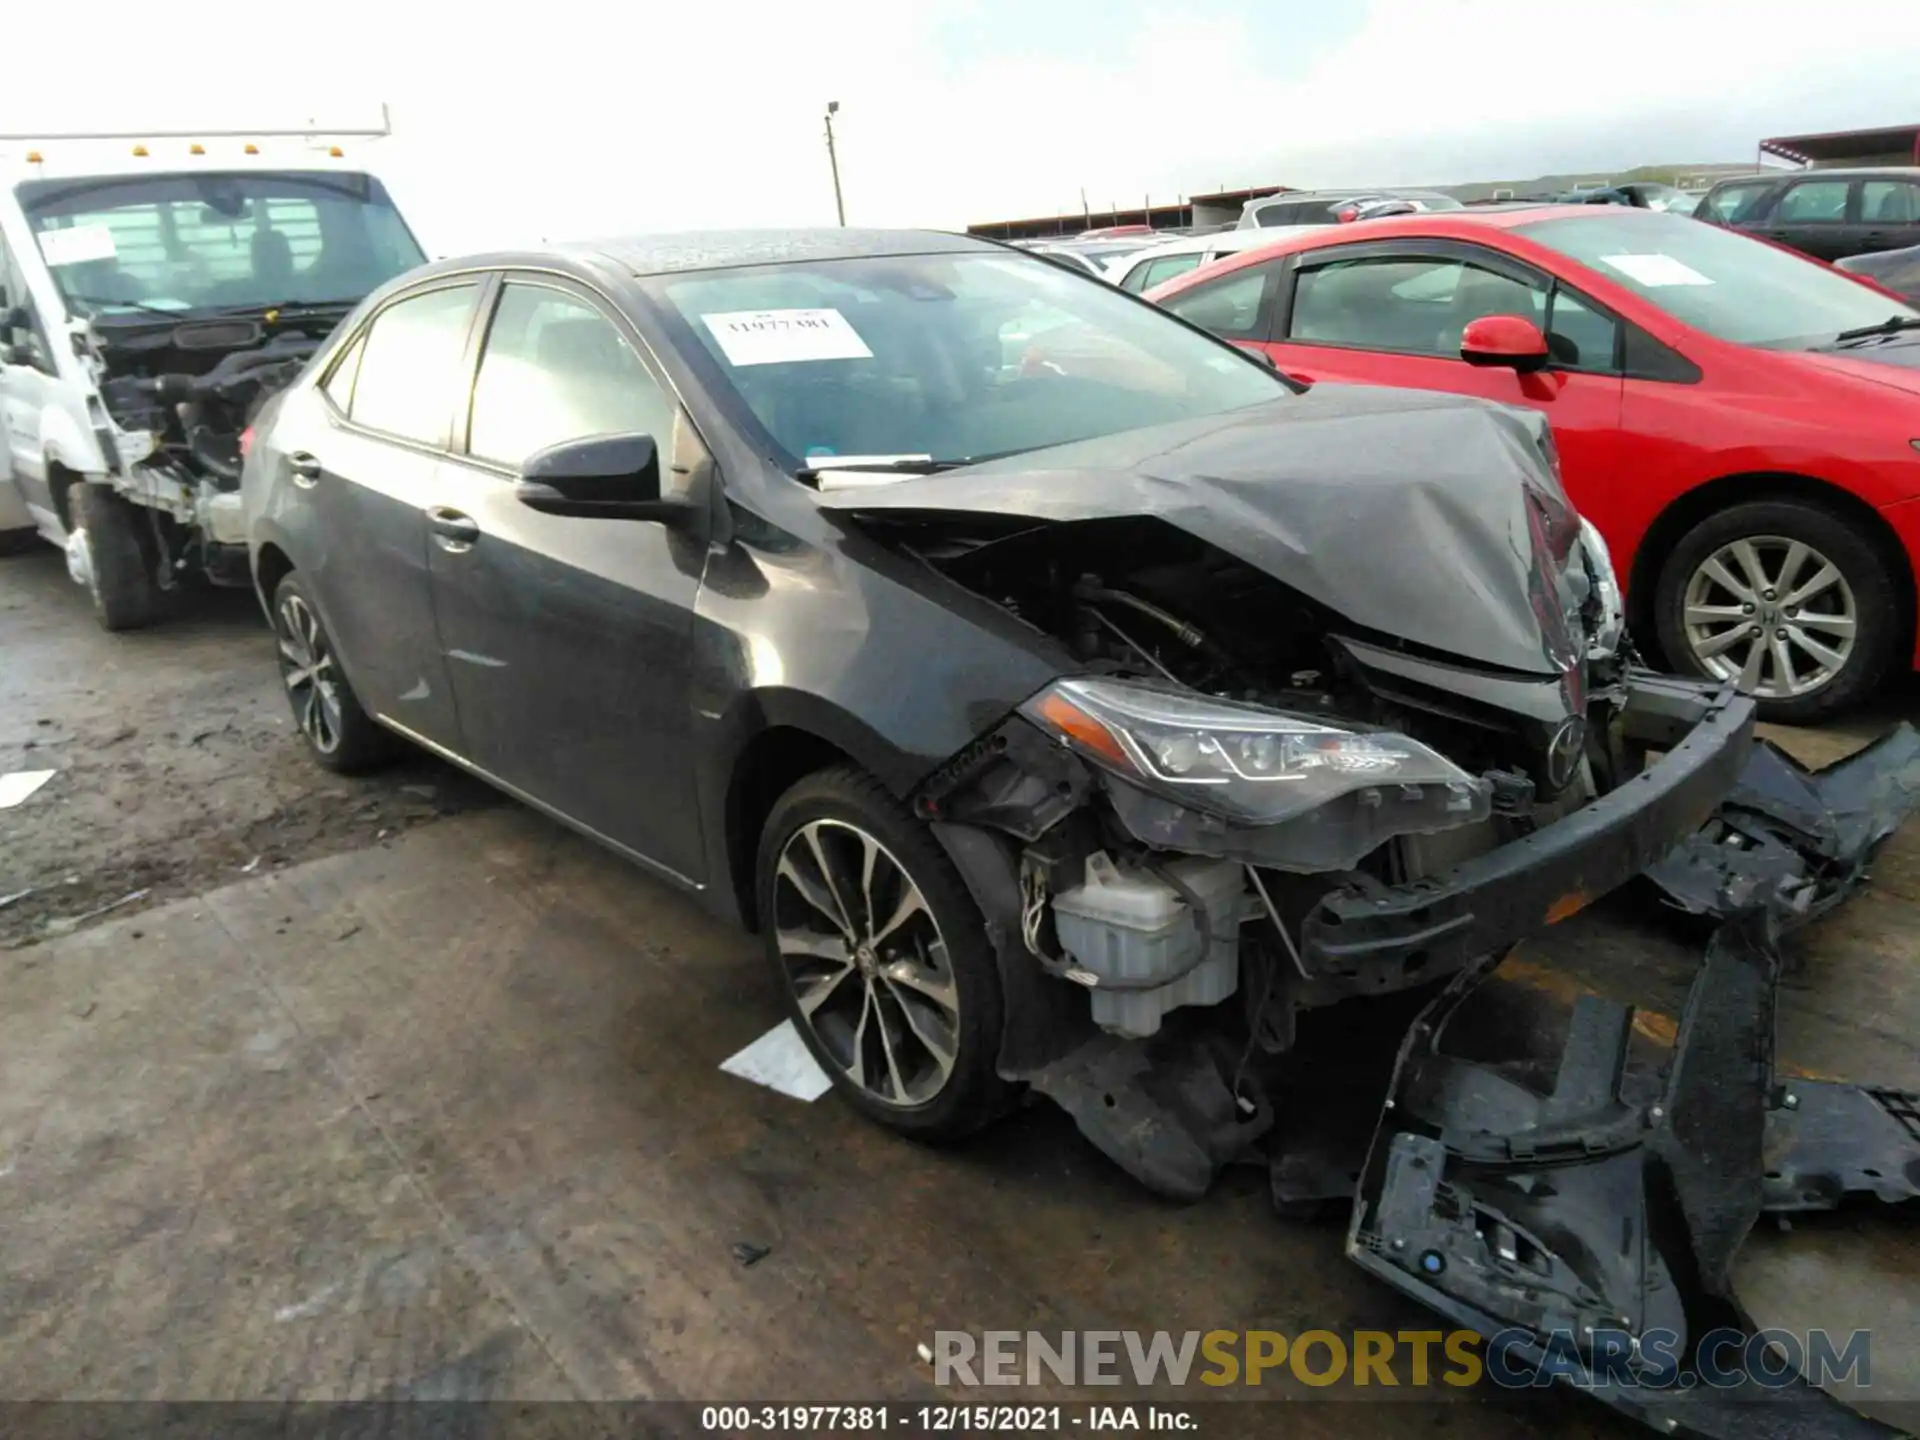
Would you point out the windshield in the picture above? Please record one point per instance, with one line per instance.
(211, 241)
(947, 357)
(1727, 284)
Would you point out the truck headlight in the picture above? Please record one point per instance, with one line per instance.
(1251, 765)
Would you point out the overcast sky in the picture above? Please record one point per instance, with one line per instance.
(578, 119)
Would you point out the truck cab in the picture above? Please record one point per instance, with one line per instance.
(153, 294)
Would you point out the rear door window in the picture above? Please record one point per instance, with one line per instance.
(1889, 202)
(410, 365)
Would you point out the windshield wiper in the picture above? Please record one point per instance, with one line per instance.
(880, 465)
(98, 301)
(1892, 325)
(284, 306)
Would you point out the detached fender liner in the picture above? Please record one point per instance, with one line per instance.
(1490, 902)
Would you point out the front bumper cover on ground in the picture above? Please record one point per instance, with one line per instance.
(1588, 1231)
(1588, 1234)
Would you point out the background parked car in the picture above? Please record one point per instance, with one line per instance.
(1093, 256)
(1737, 420)
(1829, 214)
(1317, 207)
(1896, 270)
(1639, 194)
(1158, 264)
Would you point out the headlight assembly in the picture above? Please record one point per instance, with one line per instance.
(1256, 767)
(1611, 621)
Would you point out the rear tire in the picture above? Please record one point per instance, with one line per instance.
(339, 733)
(1823, 603)
(119, 559)
(902, 1005)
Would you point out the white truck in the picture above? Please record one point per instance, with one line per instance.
(154, 291)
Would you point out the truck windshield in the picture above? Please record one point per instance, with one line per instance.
(183, 243)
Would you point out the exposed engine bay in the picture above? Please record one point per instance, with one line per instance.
(1262, 793)
(191, 389)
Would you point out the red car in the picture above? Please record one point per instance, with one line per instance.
(1741, 424)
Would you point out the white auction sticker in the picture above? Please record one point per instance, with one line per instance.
(1655, 271)
(775, 337)
(78, 245)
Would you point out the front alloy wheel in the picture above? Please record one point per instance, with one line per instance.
(866, 962)
(1792, 600)
(1772, 614)
(882, 955)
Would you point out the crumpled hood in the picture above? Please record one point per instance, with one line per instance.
(1420, 515)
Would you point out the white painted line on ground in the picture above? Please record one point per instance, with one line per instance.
(780, 1061)
(17, 785)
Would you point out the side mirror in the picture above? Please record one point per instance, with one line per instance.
(1509, 341)
(607, 477)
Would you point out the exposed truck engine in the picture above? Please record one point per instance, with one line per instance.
(155, 295)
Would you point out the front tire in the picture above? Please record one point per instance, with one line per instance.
(882, 957)
(1786, 598)
(117, 556)
(339, 733)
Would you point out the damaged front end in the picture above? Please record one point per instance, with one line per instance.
(175, 400)
(1295, 766)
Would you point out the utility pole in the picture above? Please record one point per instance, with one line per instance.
(833, 159)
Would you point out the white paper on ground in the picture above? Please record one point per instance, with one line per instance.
(780, 1061)
(776, 337)
(17, 785)
(78, 245)
(1655, 271)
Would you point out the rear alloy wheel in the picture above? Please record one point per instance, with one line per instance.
(339, 733)
(882, 957)
(1786, 600)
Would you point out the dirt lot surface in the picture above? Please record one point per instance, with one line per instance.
(178, 766)
(436, 1113)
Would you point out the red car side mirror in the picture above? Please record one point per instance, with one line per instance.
(1510, 341)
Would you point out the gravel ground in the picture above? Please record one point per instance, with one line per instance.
(177, 763)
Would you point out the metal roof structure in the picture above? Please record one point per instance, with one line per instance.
(1892, 145)
(1222, 206)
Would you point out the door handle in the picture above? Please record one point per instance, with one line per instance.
(453, 531)
(305, 468)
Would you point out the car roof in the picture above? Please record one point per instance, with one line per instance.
(95, 161)
(661, 254)
(1229, 241)
(1463, 224)
(1825, 172)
